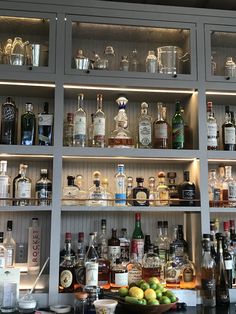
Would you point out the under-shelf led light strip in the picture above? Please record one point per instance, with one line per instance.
(28, 84)
(9, 155)
(221, 93)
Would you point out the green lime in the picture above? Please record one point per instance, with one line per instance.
(153, 280)
(153, 286)
(158, 294)
(140, 282)
(153, 302)
(144, 301)
(132, 284)
(144, 286)
(150, 294)
(160, 287)
(165, 300)
(123, 292)
(173, 299)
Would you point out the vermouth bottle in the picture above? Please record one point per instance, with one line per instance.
(138, 237)
(45, 126)
(9, 115)
(28, 126)
(80, 124)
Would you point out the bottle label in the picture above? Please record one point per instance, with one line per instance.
(45, 119)
(229, 137)
(160, 131)
(139, 243)
(113, 252)
(99, 126)
(9, 257)
(120, 198)
(188, 274)
(124, 251)
(142, 198)
(34, 247)
(121, 279)
(3, 189)
(24, 190)
(232, 192)
(212, 134)
(91, 274)
(208, 284)
(173, 275)
(8, 113)
(2, 259)
(66, 278)
(162, 254)
(163, 197)
(178, 133)
(228, 264)
(134, 275)
(80, 126)
(145, 133)
(188, 194)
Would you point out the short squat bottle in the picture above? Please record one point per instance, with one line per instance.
(140, 194)
(151, 62)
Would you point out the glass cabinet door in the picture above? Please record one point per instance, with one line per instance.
(154, 50)
(220, 53)
(27, 41)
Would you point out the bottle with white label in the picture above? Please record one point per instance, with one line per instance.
(80, 124)
(10, 245)
(231, 183)
(144, 127)
(23, 188)
(4, 183)
(91, 263)
(228, 132)
(34, 247)
(212, 136)
(45, 126)
(113, 247)
(3, 252)
(119, 275)
(120, 186)
(99, 124)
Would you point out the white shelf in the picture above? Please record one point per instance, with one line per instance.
(25, 208)
(223, 210)
(31, 151)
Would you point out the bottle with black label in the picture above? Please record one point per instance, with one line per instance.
(187, 191)
(45, 126)
(9, 115)
(44, 189)
(140, 194)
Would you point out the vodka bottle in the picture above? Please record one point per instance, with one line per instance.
(99, 130)
(10, 245)
(34, 247)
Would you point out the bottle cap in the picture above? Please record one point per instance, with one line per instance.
(161, 174)
(44, 171)
(206, 236)
(103, 222)
(226, 225)
(29, 106)
(9, 225)
(138, 216)
(81, 236)
(68, 236)
(139, 180)
(81, 295)
(171, 175)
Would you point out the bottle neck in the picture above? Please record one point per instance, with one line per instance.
(228, 172)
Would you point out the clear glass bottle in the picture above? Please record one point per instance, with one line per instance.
(80, 124)
(228, 132)
(152, 191)
(181, 246)
(34, 247)
(91, 263)
(69, 130)
(67, 247)
(4, 184)
(152, 265)
(134, 61)
(9, 117)
(228, 261)
(173, 189)
(162, 191)
(45, 126)
(109, 53)
(44, 189)
(230, 185)
(124, 63)
(102, 240)
(213, 189)
(3, 252)
(121, 137)
(82, 194)
(160, 129)
(113, 247)
(160, 243)
(99, 129)
(91, 132)
(187, 191)
(134, 267)
(129, 188)
(23, 188)
(212, 138)
(108, 193)
(96, 193)
(178, 128)
(144, 127)
(172, 269)
(124, 246)
(120, 186)
(140, 194)
(28, 125)
(138, 237)
(81, 303)
(151, 62)
(70, 192)
(167, 239)
(188, 274)
(230, 67)
(10, 245)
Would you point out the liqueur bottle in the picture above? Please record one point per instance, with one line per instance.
(99, 124)
(211, 128)
(80, 124)
(160, 128)
(69, 130)
(144, 127)
(45, 126)
(138, 237)
(44, 189)
(140, 194)
(9, 115)
(28, 126)
(178, 128)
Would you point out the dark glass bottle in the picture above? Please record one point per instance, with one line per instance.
(45, 126)
(181, 246)
(138, 237)
(140, 194)
(44, 189)
(222, 285)
(28, 124)
(9, 117)
(228, 262)
(178, 128)
(228, 132)
(187, 191)
(67, 247)
(113, 247)
(147, 242)
(213, 250)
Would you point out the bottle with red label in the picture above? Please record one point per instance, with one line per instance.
(138, 237)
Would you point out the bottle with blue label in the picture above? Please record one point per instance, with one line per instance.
(120, 186)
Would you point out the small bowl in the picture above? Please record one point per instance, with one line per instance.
(105, 306)
(26, 306)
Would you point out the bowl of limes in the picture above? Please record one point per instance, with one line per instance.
(149, 297)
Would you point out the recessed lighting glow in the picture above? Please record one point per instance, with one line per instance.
(130, 158)
(221, 93)
(27, 84)
(20, 155)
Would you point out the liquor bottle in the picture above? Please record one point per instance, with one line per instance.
(14, 183)
(152, 265)
(173, 189)
(129, 201)
(91, 132)
(160, 129)
(69, 130)
(221, 179)
(207, 275)
(134, 267)
(172, 269)
(4, 183)
(134, 61)
(166, 238)
(211, 128)
(23, 188)
(91, 263)
(181, 246)
(80, 124)
(229, 188)
(226, 233)
(103, 262)
(102, 240)
(144, 127)
(213, 189)
(3, 252)
(160, 242)
(82, 194)
(188, 274)
(70, 192)
(99, 130)
(107, 192)
(232, 229)
(138, 237)
(96, 193)
(9, 115)
(140, 194)
(162, 191)
(34, 247)
(124, 246)
(178, 128)
(67, 277)
(228, 132)
(79, 263)
(120, 186)
(80, 247)
(113, 247)
(147, 242)
(187, 191)
(213, 247)
(152, 191)
(67, 247)
(10, 245)
(28, 125)
(43, 189)
(119, 275)
(121, 137)
(222, 285)
(228, 260)
(45, 126)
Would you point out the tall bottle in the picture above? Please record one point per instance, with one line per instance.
(120, 186)
(228, 260)
(144, 127)
(181, 246)
(44, 189)
(34, 247)
(28, 125)
(211, 128)
(124, 246)
(160, 128)
(102, 240)
(113, 247)
(99, 125)
(10, 245)
(178, 128)
(45, 126)
(80, 124)
(4, 183)
(138, 237)
(9, 116)
(3, 251)
(228, 132)
(160, 242)
(230, 185)
(23, 188)
(222, 285)
(207, 274)
(187, 191)
(213, 189)
(91, 263)
(68, 139)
